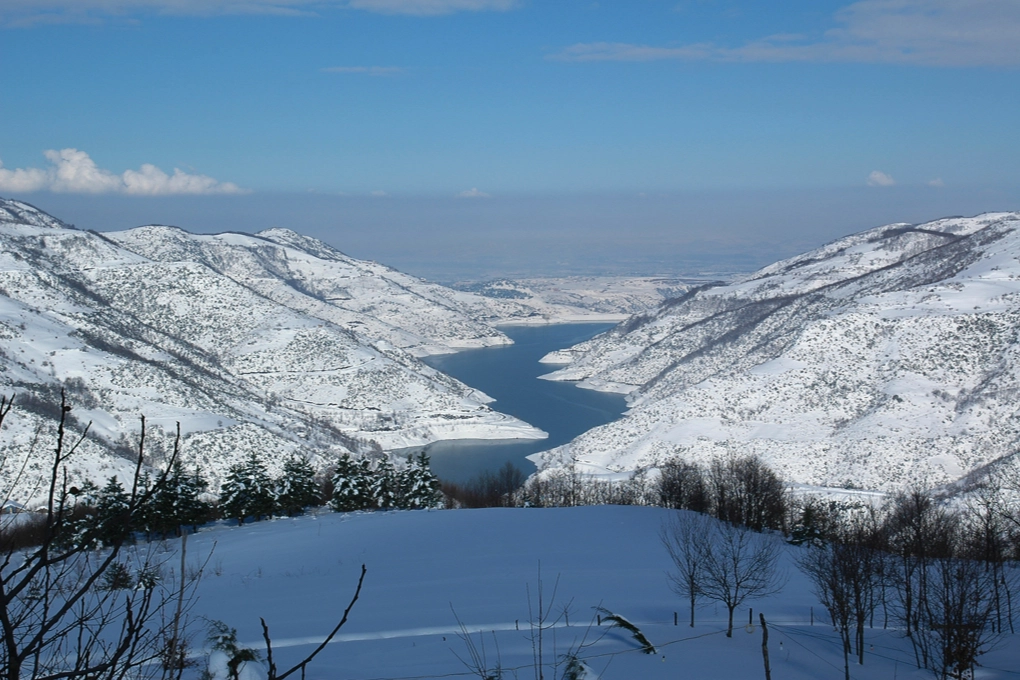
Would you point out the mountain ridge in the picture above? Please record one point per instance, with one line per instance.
(244, 362)
(879, 360)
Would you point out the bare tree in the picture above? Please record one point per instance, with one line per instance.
(540, 619)
(919, 531)
(1006, 478)
(489, 490)
(746, 491)
(477, 661)
(952, 580)
(681, 486)
(686, 537)
(71, 610)
(740, 565)
(825, 567)
(987, 538)
(846, 574)
(956, 617)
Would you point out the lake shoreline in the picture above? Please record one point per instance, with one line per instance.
(512, 376)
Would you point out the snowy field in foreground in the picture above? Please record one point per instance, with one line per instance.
(300, 573)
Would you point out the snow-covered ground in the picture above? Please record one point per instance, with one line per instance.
(578, 298)
(428, 568)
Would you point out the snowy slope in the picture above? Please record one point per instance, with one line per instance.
(377, 302)
(579, 298)
(371, 300)
(881, 359)
(174, 339)
(426, 569)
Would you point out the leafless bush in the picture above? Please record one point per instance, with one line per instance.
(746, 491)
(487, 490)
(682, 486)
(63, 605)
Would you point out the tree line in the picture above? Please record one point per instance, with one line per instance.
(944, 575)
(742, 490)
(177, 500)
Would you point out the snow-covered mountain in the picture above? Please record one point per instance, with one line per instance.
(882, 359)
(581, 298)
(274, 343)
(301, 273)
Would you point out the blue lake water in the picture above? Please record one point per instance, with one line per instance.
(510, 376)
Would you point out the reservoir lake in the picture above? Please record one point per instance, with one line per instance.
(509, 374)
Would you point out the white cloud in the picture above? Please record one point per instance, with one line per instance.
(919, 32)
(74, 172)
(472, 193)
(877, 178)
(29, 12)
(937, 182)
(22, 180)
(378, 193)
(366, 70)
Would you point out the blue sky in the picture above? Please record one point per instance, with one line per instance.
(663, 136)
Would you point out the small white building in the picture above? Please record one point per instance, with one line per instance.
(12, 508)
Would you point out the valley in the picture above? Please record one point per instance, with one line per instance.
(271, 343)
(881, 360)
(511, 375)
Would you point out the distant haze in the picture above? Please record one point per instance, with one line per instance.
(705, 233)
(472, 139)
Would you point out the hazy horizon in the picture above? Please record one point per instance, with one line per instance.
(697, 234)
(483, 138)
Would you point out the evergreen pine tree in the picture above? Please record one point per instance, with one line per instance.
(113, 516)
(385, 486)
(419, 488)
(296, 489)
(193, 510)
(161, 509)
(248, 491)
(177, 503)
(351, 485)
(405, 482)
(86, 496)
(77, 508)
(144, 514)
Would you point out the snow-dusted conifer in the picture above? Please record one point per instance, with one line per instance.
(113, 513)
(194, 510)
(351, 485)
(385, 486)
(576, 669)
(86, 495)
(177, 503)
(161, 510)
(77, 514)
(419, 488)
(296, 489)
(248, 491)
